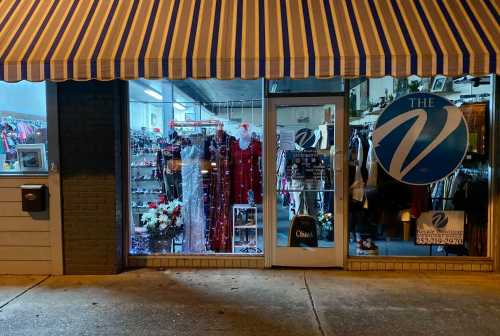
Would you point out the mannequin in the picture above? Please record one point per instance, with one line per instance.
(246, 174)
(245, 137)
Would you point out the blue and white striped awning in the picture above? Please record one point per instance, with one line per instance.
(108, 39)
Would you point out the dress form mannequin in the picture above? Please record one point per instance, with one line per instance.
(246, 177)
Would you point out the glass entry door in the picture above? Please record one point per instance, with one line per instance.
(306, 207)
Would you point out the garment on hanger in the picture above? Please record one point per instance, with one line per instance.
(4, 143)
(371, 165)
(193, 214)
(172, 166)
(472, 197)
(246, 175)
(327, 132)
(217, 149)
(420, 200)
(358, 186)
(306, 202)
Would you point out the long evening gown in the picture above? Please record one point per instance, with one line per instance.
(193, 214)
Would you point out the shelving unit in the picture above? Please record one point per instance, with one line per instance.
(245, 225)
(147, 182)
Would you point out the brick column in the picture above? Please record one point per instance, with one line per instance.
(90, 126)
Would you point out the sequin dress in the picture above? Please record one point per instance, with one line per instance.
(193, 214)
(246, 175)
(219, 194)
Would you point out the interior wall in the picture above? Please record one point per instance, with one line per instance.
(23, 97)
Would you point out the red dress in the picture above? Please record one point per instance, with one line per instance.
(246, 175)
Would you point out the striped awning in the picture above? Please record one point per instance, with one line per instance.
(108, 39)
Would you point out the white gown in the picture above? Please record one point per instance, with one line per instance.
(371, 165)
(193, 214)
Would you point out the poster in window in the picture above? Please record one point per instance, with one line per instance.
(440, 228)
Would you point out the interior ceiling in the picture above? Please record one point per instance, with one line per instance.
(211, 90)
(205, 91)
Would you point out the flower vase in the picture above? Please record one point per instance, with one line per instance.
(160, 245)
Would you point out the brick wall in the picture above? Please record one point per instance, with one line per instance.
(90, 124)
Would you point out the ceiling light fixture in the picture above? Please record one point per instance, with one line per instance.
(179, 106)
(153, 94)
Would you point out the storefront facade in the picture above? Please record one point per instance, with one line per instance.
(288, 134)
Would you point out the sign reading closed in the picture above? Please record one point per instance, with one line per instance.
(303, 232)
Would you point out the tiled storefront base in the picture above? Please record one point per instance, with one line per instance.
(419, 265)
(196, 261)
(353, 264)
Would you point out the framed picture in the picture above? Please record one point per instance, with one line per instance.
(438, 84)
(31, 157)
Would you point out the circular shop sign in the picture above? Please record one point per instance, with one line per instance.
(420, 138)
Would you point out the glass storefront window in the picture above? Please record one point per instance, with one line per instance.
(448, 217)
(196, 167)
(23, 128)
(315, 86)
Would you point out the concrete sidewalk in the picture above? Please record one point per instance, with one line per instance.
(251, 302)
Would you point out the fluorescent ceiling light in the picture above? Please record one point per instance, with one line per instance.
(274, 87)
(153, 94)
(179, 106)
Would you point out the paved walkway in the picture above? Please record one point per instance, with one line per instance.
(251, 302)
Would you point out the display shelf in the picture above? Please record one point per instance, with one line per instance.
(145, 154)
(146, 187)
(246, 245)
(244, 222)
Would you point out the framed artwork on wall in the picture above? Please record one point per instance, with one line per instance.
(438, 84)
(31, 157)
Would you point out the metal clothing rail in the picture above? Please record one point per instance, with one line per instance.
(195, 123)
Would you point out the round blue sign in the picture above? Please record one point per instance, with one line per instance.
(420, 138)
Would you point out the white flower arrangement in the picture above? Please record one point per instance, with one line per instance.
(163, 221)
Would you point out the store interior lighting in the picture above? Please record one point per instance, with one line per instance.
(179, 106)
(153, 94)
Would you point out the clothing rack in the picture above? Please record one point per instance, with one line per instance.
(196, 123)
(475, 172)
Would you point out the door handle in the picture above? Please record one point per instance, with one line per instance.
(339, 175)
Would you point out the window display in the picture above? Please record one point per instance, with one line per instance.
(196, 175)
(419, 181)
(23, 128)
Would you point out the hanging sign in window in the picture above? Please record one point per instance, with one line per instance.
(305, 165)
(420, 138)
